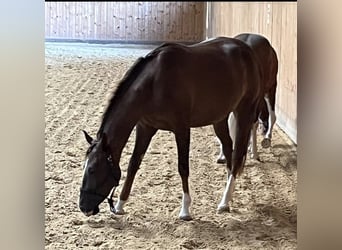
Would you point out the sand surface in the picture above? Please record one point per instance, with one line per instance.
(79, 82)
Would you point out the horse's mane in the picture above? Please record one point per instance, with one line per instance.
(126, 82)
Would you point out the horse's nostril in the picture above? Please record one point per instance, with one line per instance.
(88, 213)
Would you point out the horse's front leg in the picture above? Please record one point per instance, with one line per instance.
(143, 138)
(183, 144)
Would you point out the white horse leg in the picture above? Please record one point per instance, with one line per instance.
(232, 127)
(253, 139)
(184, 212)
(119, 207)
(266, 142)
(227, 194)
(221, 158)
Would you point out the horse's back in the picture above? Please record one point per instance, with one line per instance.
(266, 56)
(205, 81)
(210, 60)
(218, 65)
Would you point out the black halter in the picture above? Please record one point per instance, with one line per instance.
(110, 197)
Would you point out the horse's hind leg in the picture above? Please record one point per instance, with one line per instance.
(245, 122)
(143, 138)
(261, 109)
(242, 134)
(221, 158)
(270, 101)
(183, 144)
(253, 142)
(222, 132)
(230, 131)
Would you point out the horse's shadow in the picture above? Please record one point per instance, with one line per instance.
(244, 231)
(285, 155)
(268, 223)
(285, 147)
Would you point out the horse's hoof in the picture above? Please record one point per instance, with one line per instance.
(221, 160)
(255, 157)
(266, 143)
(185, 217)
(112, 209)
(118, 211)
(222, 209)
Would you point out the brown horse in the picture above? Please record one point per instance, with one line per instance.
(268, 63)
(175, 87)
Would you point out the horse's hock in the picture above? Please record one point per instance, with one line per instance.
(79, 82)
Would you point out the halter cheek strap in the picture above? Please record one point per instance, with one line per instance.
(110, 197)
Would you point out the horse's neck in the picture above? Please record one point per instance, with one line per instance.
(119, 126)
(127, 109)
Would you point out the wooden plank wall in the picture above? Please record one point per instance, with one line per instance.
(278, 22)
(125, 21)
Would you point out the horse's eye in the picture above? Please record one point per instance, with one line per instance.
(91, 170)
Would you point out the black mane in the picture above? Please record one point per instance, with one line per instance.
(124, 85)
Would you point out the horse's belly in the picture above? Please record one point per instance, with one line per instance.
(172, 119)
(208, 117)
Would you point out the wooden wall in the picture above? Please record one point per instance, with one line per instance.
(278, 22)
(125, 21)
(186, 22)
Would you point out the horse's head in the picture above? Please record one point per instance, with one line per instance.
(99, 175)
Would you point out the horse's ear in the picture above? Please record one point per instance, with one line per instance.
(88, 137)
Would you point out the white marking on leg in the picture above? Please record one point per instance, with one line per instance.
(119, 207)
(254, 149)
(271, 119)
(227, 194)
(221, 157)
(184, 212)
(249, 149)
(232, 127)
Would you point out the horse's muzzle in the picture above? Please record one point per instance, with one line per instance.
(96, 210)
(89, 202)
